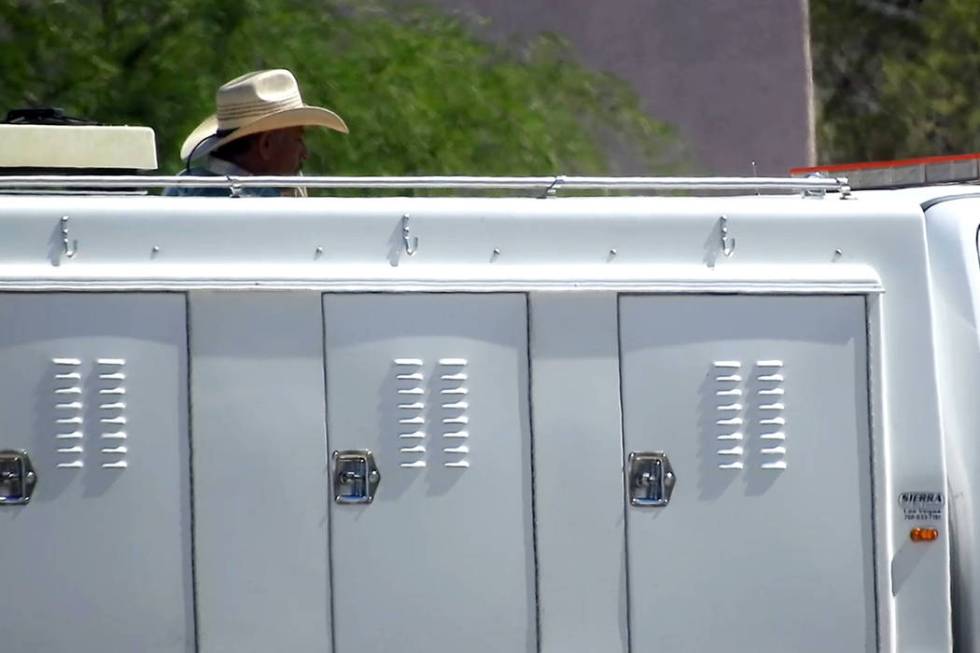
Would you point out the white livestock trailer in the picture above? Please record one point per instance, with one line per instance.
(718, 422)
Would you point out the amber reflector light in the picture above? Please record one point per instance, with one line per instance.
(924, 534)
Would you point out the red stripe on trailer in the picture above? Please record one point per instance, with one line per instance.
(877, 165)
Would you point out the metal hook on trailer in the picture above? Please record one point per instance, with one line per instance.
(727, 242)
(69, 247)
(411, 242)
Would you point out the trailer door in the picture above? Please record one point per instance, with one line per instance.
(428, 426)
(93, 396)
(748, 473)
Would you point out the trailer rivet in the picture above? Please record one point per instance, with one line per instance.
(838, 253)
(318, 253)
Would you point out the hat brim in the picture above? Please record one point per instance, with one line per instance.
(204, 139)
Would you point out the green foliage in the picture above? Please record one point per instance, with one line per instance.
(935, 93)
(896, 78)
(421, 93)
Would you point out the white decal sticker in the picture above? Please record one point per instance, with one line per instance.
(922, 506)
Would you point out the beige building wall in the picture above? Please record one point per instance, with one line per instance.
(732, 75)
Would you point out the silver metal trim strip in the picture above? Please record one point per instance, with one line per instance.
(549, 185)
(854, 287)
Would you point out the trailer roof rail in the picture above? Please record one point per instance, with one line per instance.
(546, 185)
(902, 173)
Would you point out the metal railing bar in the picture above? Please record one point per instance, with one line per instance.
(432, 182)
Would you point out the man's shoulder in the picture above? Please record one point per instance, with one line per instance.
(214, 191)
(209, 170)
(187, 191)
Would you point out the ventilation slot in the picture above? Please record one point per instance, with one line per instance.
(69, 413)
(454, 404)
(111, 392)
(729, 408)
(770, 395)
(410, 397)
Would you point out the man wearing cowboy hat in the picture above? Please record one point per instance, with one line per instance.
(257, 130)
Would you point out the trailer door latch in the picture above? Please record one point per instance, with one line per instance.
(17, 478)
(355, 476)
(651, 479)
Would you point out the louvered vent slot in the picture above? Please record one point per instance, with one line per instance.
(454, 410)
(729, 411)
(772, 406)
(410, 411)
(69, 413)
(111, 389)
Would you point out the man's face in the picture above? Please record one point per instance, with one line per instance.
(283, 151)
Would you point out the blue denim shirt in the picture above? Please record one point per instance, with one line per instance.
(210, 166)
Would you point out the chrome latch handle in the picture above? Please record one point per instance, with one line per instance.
(355, 476)
(17, 478)
(651, 479)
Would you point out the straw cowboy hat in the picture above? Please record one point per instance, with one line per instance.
(256, 102)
